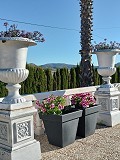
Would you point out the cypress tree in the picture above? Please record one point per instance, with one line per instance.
(22, 88)
(54, 81)
(49, 79)
(62, 74)
(77, 70)
(41, 80)
(58, 79)
(28, 83)
(67, 78)
(114, 77)
(118, 74)
(72, 78)
(64, 78)
(3, 90)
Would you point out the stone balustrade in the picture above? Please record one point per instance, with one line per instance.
(69, 92)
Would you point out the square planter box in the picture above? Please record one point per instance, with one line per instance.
(61, 129)
(87, 123)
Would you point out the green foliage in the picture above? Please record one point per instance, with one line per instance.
(72, 78)
(64, 78)
(58, 79)
(3, 90)
(118, 74)
(40, 80)
(77, 70)
(52, 105)
(29, 86)
(54, 81)
(49, 79)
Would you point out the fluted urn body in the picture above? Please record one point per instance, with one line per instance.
(106, 65)
(13, 54)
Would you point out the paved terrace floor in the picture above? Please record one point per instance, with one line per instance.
(104, 144)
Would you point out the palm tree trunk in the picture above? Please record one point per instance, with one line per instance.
(86, 75)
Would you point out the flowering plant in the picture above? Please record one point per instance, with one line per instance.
(105, 45)
(83, 100)
(52, 105)
(14, 32)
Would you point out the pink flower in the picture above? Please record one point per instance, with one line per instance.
(43, 110)
(60, 107)
(83, 99)
(52, 105)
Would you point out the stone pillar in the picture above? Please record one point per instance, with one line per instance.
(108, 98)
(17, 132)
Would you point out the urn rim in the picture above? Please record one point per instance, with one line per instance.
(27, 40)
(107, 51)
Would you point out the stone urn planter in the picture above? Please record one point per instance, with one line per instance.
(106, 65)
(61, 129)
(13, 54)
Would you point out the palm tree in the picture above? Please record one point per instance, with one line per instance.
(86, 75)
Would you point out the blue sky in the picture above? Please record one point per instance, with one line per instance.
(61, 45)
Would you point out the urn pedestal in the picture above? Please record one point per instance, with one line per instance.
(17, 132)
(108, 98)
(16, 114)
(107, 95)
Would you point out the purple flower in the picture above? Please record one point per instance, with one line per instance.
(105, 45)
(14, 32)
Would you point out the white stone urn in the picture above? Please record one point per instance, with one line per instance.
(106, 65)
(13, 54)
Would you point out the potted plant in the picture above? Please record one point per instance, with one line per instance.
(106, 55)
(87, 103)
(60, 121)
(14, 44)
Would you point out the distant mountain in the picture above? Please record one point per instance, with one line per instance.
(57, 65)
(32, 64)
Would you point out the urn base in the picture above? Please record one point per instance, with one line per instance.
(13, 95)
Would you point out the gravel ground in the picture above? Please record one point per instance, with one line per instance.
(104, 144)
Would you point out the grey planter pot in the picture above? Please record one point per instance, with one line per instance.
(87, 123)
(61, 129)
